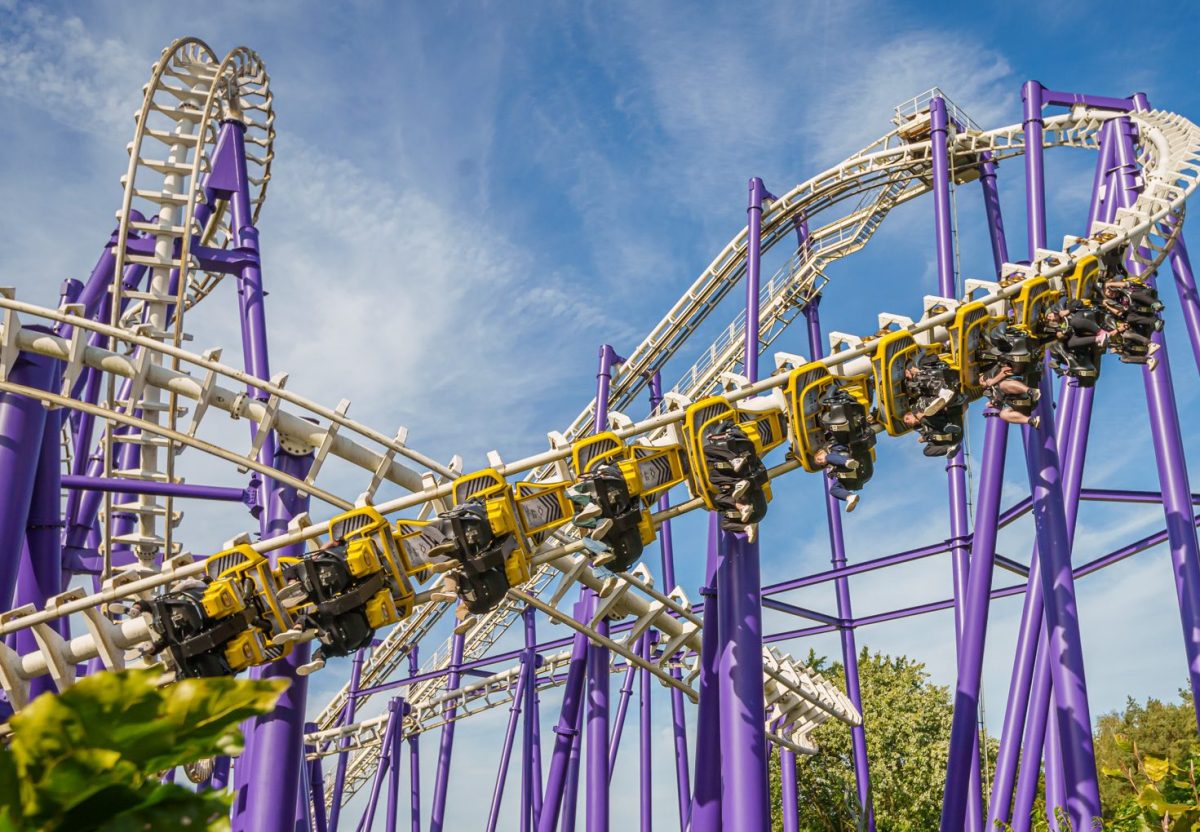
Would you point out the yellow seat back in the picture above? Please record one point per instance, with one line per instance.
(894, 352)
(1081, 280)
(972, 321)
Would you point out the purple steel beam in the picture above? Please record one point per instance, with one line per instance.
(1058, 590)
(841, 573)
(1076, 427)
(268, 777)
(1115, 556)
(117, 485)
(790, 793)
(385, 763)
(393, 802)
(745, 802)
(1056, 98)
(347, 718)
(414, 758)
(801, 612)
(566, 730)
(1107, 194)
(1035, 197)
(625, 694)
(531, 770)
(514, 717)
(316, 784)
(1169, 453)
(1189, 299)
(956, 479)
(441, 776)
(1029, 691)
(598, 655)
(645, 764)
(705, 812)
(571, 796)
(678, 716)
(41, 574)
(964, 738)
(22, 423)
(991, 204)
(837, 547)
(1031, 622)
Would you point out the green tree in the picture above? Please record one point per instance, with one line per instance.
(908, 729)
(1162, 730)
(91, 758)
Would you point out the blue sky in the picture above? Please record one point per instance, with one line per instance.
(468, 198)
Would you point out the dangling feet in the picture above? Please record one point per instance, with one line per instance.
(463, 627)
(851, 503)
(313, 666)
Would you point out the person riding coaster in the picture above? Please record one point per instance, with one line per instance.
(933, 380)
(940, 428)
(609, 514)
(1078, 341)
(936, 405)
(228, 619)
(738, 475)
(1010, 372)
(474, 559)
(1132, 317)
(846, 453)
(200, 633)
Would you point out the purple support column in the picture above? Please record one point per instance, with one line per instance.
(531, 770)
(1168, 448)
(1189, 298)
(705, 812)
(414, 757)
(566, 730)
(964, 738)
(1029, 690)
(623, 697)
(956, 466)
(268, 777)
(790, 797)
(514, 716)
(441, 777)
(347, 718)
(399, 709)
(41, 572)
(745, 801)
(939, 151)
(316, 783)
(22, 423)
(1030, 669)
(991, 204)
(1058, 590)
(598, 657)
(571, 795)
(274, 742)
(678, 717)
(645, 767)
(386, 761)
(1035, 196)
(837, 546)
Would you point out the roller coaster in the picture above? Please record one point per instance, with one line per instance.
(100, 400)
